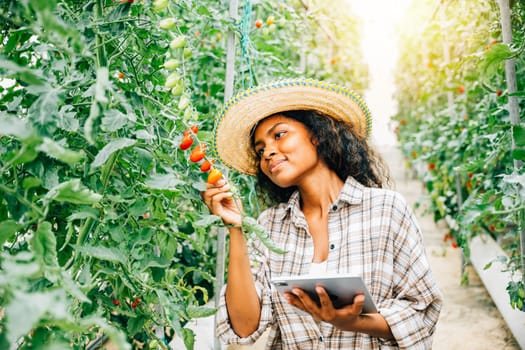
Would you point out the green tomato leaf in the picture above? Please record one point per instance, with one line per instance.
(73, 191)
(207, 220)
(84, 213)
(45, 108)
(189, 338)
(72, 288)
(26, 309)
(8, 228)
(493, 59)
(113, 120)
(117, 336)
(203, 11)
(56, 151)
(167, 182)
(31, 76)
(200, 311)
(518, 133)
(16, 127)
(250, 225)
(44, 244)
(135, 325)
(103, 253)
(31, 182)
(518, 154)
(111, 148)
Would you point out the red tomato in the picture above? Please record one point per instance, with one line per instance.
(195, 129)
(197, 154)
(186, 143)
(258, 23)
(205, 166)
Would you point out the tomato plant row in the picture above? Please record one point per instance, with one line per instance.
(454, 126)
(102, 106)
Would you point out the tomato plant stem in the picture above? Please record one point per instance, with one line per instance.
(101, 52)
(22, 200)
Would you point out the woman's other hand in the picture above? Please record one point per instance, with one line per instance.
(325, 310)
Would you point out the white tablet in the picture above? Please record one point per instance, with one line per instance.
(341, 288)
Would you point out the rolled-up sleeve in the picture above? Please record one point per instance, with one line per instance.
(260, 273)
(413, 311)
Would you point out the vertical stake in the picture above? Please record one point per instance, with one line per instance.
(228, 93)
(513, 107)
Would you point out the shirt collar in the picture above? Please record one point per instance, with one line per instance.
(351, 193)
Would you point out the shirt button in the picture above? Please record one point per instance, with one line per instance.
(332, 246)
(321, 339)
(334, 207)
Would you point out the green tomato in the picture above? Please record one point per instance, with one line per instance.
(172, 63)
(160, 5)
(187, 53)
(184, 102)
(178, 89)
(178, 42)
(172, 80)
(188, 114)
(167, 23)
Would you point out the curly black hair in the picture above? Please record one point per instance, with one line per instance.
(339, 146)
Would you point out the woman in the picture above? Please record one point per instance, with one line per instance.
(306, 142)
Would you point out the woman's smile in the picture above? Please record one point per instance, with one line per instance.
(276, 165)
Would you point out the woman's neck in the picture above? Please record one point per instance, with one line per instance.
(319, 192)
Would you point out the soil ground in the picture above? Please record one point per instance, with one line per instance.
(469, 319)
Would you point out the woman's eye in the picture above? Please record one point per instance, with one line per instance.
(259, 152)
(279, 134)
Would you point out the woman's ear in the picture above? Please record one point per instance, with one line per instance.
(315, 141)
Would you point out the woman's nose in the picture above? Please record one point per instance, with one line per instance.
(269, 152)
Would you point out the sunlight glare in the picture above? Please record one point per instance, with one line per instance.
(379, 45)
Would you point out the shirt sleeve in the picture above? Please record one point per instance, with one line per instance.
(260, 271)
(413, 311)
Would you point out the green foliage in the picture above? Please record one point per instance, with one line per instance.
(101, 222)
(453, 121)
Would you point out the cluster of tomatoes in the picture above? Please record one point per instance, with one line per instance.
(198, 155)
(134, 303)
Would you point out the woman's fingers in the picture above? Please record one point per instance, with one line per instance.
(219, 199)
(325, 310)
(214, 189)
(324, 299)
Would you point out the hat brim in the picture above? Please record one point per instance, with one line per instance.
(242, 112)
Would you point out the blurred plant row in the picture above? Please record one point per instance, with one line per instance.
(454, 126)
(102, 227)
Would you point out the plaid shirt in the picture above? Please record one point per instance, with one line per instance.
(372, 233)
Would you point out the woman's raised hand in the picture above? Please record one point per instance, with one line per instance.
(221, 202)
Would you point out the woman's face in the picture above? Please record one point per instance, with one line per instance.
(286, 150)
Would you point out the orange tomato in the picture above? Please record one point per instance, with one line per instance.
(214, 176)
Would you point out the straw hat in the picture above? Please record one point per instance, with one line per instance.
(246, 109)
